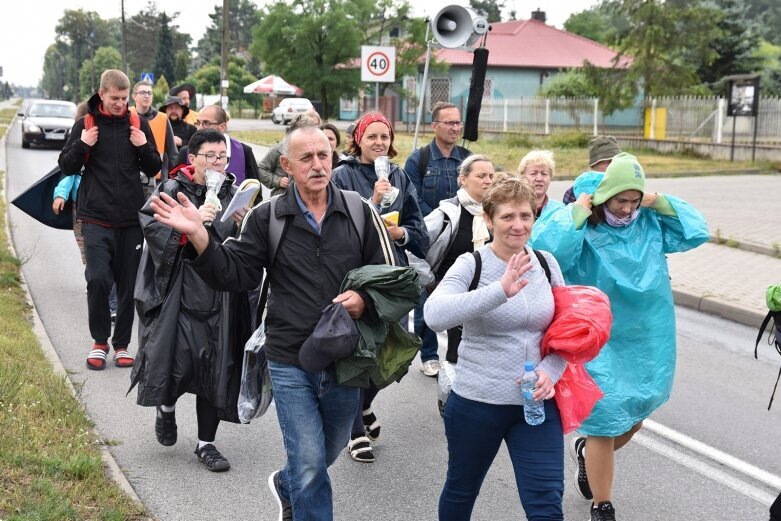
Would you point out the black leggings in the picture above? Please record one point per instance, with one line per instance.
(207, 419)
(365, 401)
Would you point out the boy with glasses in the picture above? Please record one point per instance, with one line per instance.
(191, 337)
(161, 129)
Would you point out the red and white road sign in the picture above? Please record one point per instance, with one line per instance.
(378, 64)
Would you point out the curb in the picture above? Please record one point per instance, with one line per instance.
(722, 309)
(112, 469)
(744, 245)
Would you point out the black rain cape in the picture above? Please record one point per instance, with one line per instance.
(191, 337)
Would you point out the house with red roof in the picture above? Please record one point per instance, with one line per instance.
(523, 55)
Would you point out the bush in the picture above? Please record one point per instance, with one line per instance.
(567, 140)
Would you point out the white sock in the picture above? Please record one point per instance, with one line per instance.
(201, 444)
(168, 408)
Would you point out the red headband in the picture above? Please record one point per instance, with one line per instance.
(365, 121)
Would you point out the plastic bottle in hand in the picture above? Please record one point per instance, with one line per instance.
(382, 168)
(533, 410)
(214, 180)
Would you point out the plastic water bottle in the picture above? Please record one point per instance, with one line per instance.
(382, 168)
(533, 410)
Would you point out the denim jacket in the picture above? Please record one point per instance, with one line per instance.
(440, 180)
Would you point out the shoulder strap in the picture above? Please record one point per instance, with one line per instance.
(543, 263)
(425, 156)
(354, 204)
(465, 152)
(276, 231)
(478, 269)
(89, 120)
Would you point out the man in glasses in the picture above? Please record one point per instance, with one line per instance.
(112, 151)
(242, 162)
(161, 129)
(433, 170)
(191, 337)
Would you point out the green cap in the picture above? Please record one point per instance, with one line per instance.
(602, 148)
(624, 173)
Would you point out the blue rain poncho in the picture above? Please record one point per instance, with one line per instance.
(635, 369)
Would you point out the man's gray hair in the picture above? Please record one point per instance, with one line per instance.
(309, 129)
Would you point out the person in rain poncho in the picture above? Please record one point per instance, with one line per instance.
(616, 240)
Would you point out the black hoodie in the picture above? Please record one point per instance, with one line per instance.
(110, 193)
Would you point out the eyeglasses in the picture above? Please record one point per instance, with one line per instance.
(199, 123)
(144, 92)
(212, 158)
(451, 124)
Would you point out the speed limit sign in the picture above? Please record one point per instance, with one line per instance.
(378, 64)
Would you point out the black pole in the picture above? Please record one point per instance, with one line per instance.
(732, 149)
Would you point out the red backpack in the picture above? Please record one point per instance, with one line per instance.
(89, 122)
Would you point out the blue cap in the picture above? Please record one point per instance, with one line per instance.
(528, 366)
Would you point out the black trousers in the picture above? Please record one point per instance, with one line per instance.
(112, 256)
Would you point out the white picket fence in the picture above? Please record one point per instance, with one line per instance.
(683, 118)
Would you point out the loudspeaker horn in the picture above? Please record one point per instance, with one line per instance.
(456, 26)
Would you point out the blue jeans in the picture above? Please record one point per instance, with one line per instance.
(315, 416)
(430, 343)
(475, 431)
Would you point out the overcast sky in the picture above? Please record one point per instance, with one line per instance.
(28, 28)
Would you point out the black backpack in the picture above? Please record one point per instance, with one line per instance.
(773, 339)
(479, 267)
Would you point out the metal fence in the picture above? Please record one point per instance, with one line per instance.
(682, 118)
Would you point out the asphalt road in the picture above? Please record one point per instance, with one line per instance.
(719, 400)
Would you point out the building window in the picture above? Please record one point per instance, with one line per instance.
(438, 90)
(394, 32)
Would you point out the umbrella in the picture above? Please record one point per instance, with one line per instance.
(36, 201)
(272, 84)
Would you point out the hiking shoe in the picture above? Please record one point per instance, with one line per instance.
(211, 457)
(581, 480)
(603, 512)
(430, 368)
(285, 509)
(165, 427)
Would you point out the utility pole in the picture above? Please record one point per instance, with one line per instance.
(224, 57)
(124, 47)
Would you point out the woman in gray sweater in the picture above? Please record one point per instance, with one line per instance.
(504, 320)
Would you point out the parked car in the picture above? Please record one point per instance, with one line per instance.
(288, 108)
(47, 122)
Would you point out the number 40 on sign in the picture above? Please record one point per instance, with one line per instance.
(378, 64)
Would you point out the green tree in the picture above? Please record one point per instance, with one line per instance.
(308, 43)
(182, 67)
(165, 59)
(55, 64)
(665, 42)
(242, 18)
(490, 9)
(142, 37)
(595, 24)
(766, 14)
(89, 74)
(768, 57)
(735, 46)
(207, 79)
(160, 91)
(81, 33)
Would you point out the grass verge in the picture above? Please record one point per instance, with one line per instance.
(50, 460)
(571, 153)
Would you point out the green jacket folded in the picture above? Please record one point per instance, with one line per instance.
(385, 350)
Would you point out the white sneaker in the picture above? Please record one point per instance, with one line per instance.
(430, 368)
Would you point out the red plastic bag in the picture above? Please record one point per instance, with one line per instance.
(580, 328)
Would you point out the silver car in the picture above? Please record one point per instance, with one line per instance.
(47, 122)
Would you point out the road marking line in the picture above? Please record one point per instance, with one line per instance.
(748, 469)
(706, 470)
